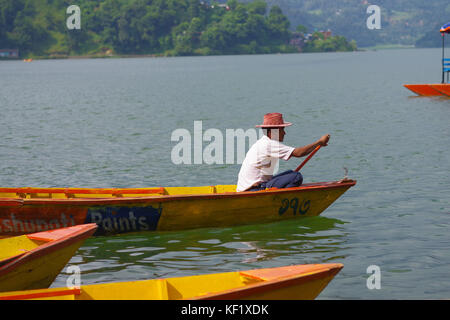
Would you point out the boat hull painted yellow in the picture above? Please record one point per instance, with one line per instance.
(165, 209)
(300, 282)
(34, 261)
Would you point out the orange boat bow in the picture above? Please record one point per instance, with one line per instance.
(33, 261)
(423, 89)
(279, 279)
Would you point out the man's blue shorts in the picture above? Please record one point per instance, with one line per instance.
(286, 179)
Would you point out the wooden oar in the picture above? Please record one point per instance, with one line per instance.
(307, 159)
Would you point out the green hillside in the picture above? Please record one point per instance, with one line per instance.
(160, 27)
(192, 27)
(402, 21)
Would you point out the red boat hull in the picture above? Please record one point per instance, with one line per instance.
(442, 88)
(427, 89)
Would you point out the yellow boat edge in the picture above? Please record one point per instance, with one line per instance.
(297, 282)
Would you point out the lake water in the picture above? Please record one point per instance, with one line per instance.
(108, 123)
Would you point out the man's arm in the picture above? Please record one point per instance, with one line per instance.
(305, 150)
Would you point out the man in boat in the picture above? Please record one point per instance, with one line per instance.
(258, 167)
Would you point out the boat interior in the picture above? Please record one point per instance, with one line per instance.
(70, 193)
(67, 193)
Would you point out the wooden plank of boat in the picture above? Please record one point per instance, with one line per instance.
(443, 88)
(33, 261)
(25, 210)
(423, 89)
(297, 282)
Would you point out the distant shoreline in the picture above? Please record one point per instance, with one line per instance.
(389, 47)
(124, 56)
(89, 56)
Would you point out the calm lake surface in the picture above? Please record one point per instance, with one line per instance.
(108, 123)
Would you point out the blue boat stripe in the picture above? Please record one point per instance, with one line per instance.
(111, 220)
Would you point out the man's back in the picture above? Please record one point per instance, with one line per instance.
(260, 162)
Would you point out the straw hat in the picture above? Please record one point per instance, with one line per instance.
(273, 120)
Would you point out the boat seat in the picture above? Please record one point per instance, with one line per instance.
(444, 63)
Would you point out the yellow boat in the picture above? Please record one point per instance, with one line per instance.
(26, 210)
(298, 282)
(33, 261)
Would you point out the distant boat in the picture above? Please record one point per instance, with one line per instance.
(297, 282)
(27, 60)
(443, 88)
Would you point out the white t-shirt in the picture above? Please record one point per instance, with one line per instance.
(260, 162)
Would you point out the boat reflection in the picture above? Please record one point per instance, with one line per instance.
(168, 254)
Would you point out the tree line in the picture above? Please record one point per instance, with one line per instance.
(160, 27)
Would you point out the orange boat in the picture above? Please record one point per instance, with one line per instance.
(443, 88)
(437, 89)
(426, 89)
